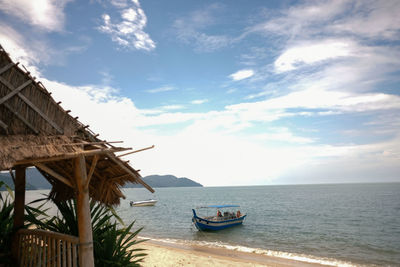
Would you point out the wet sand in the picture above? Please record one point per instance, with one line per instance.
(173, 254)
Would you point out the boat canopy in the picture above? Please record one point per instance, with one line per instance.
(220, 206)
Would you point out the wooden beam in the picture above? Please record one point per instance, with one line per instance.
(15, 91)
(12, 175)
(86, 257)
(82, 143)
(6, 68)
(19, 205)
(29, 103)
(54, 174)
(91, 171)
(71, 155)
(125, 168)
(19, 116)
(146, 148)
(4, 126)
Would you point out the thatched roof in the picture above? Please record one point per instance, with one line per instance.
(36, 131)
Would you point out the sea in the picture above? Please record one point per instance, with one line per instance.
(329, 224)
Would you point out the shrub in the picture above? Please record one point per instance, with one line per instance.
(112, 245)
(6, 224)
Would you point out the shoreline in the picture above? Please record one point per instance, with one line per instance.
(178, 254)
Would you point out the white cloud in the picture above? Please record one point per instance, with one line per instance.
(316, 99)
(368, 19)
(324, 64)
(203, 42)
(44, 14)
(282, 135)
(376, 162)
(117, 118)
(199, 101)
(372, 19)
(311, 53)
(13, 43)
(208, 138)
(257, 95)
(216, 138)
(129, 32)
(192, 30)
(302, 20)
(161, 89)
(120, 3)
(241, 74)
(172, 107)
(214, 149)
(31, 50)
(129, 14)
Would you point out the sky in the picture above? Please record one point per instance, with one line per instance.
(230, 92)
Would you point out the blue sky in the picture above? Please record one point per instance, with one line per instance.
(229, 92)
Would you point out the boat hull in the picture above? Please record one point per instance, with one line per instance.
(143, 203)
(207, 225)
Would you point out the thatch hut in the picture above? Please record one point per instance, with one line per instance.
(36, 131)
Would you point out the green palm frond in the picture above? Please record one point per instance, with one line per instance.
(113, 246)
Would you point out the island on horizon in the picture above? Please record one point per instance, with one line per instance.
(36, 181)
(168, 180)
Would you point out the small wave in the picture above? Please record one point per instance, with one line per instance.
(272, 253)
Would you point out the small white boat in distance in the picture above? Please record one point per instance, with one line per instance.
(149, 202)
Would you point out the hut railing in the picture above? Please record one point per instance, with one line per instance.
(38, 247)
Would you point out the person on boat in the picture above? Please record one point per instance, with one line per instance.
(238, 214)
(219, 214)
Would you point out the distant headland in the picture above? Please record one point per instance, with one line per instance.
(36, 181)
(166, 181)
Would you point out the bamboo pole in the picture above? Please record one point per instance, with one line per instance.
(84, 219)
(4, 126)
(125, 168)
(71, 155)
(139, 150)
(91, 171)
(81, 143)
(54, 174)
(19, 205)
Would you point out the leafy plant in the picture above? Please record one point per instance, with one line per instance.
(115, 247)
(111, 244)
(6, 223)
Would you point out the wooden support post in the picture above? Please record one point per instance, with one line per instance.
(84, 219)
(19, 197)
(19, 205)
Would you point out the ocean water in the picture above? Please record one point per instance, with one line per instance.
(337, 225)
(340, 225)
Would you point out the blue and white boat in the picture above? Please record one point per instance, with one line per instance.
(220, 220)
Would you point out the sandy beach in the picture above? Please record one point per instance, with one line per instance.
(167, 254)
